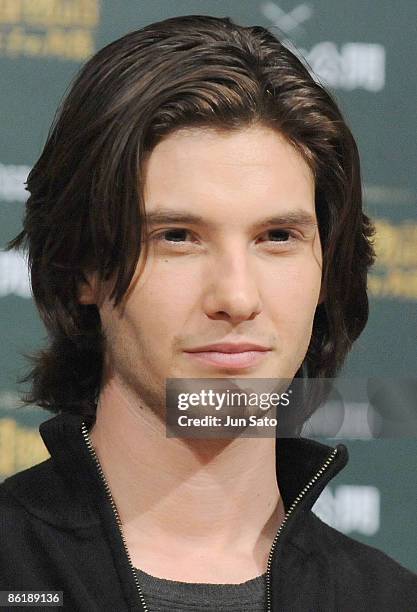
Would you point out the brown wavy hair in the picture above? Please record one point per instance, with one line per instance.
(86, 207)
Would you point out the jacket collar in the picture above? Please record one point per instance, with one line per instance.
(302, 465)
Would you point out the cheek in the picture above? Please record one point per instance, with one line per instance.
(294, 295)
(158, 307)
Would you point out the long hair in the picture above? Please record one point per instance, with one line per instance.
(86, 206)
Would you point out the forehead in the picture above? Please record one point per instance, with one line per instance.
(228, 176)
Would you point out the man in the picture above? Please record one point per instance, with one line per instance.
(195, 213)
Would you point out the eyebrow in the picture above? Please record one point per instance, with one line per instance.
(297, 217)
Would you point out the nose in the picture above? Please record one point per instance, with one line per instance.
(232, 292)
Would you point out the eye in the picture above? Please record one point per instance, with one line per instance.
(176, 235)
(283, 235)
(279, 236)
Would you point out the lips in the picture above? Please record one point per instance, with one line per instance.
(228, 347)
(228, 355)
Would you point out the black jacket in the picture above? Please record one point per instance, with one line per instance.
(59, 531)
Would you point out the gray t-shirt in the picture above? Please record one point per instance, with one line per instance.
(169, 595)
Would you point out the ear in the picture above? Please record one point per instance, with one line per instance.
(87, 289)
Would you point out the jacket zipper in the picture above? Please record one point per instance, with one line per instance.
(115, 511)
(285, 520)
(274, 543)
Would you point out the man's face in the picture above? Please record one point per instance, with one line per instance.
(230, 276)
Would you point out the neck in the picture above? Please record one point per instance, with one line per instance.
(217, 494)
